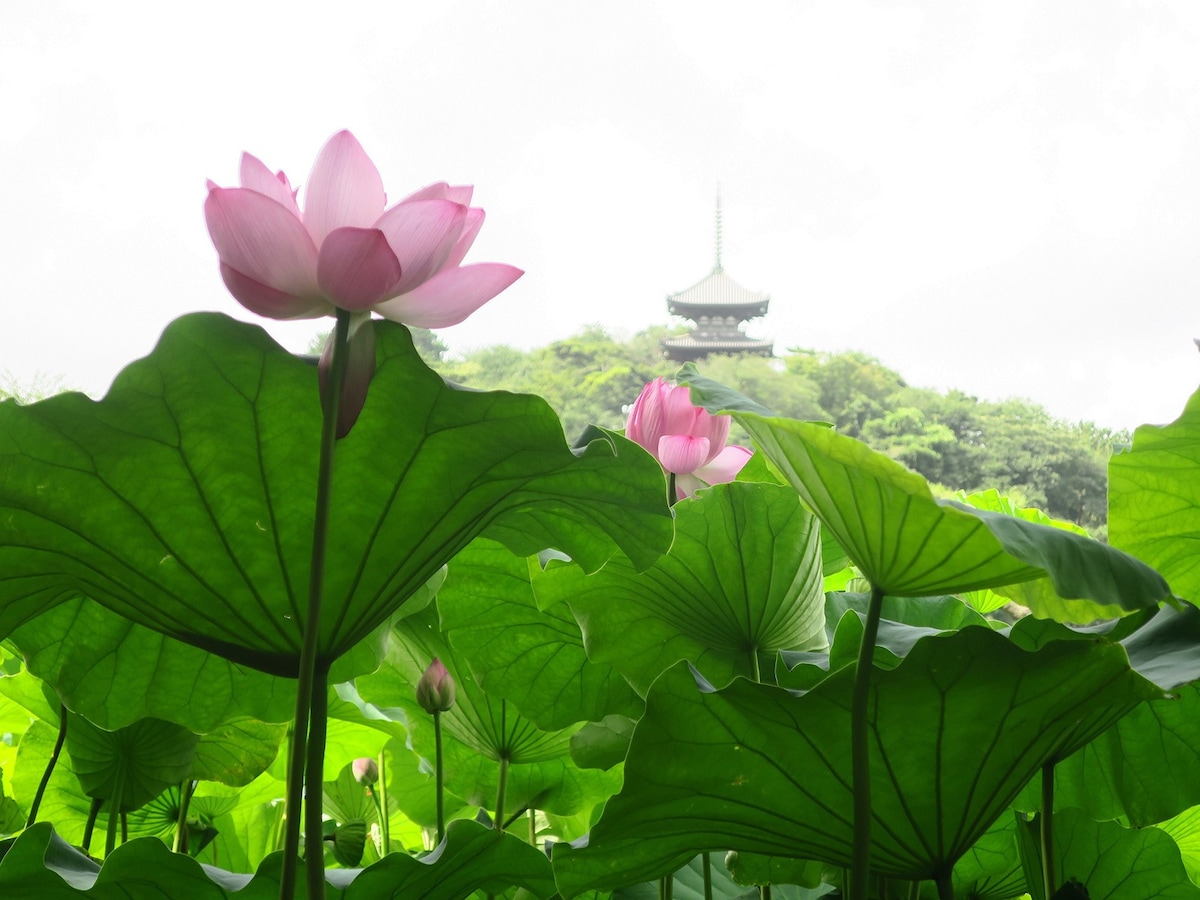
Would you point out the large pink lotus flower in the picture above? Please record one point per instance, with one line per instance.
(685, 439)
(345, 249)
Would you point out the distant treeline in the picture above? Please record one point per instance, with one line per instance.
(955, 440)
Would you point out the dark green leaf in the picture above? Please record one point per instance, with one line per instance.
(184, 500)
(957, 729)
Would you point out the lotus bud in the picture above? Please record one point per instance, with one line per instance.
(360, 369)
(366, 771)
(435, 690)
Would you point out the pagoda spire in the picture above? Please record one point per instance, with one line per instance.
(718, 267)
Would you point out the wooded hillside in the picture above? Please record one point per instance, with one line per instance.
(953, 439)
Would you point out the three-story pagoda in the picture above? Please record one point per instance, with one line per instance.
(718, 307)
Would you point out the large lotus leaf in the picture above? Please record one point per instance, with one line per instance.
(1154, 499)
(480, 730)
(1115, 863)
(184, 499)
(910, 545)
(533, 658)
(742, 581)
(956, 729)
(131, 765)
(114, 672)
(41, 864)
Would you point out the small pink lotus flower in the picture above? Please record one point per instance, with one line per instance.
(685, 439)
(345, 249)
(435, 690)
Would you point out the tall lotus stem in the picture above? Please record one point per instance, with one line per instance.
(381, 802)
(500, 789)
(860, 751)
(45, 782)
(435, 695)
(314, 787)
(1047, 830)
(708, 892)
(439, 775)
(312, 631)
(180, 844)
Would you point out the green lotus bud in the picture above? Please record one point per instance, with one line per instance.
(435, 690)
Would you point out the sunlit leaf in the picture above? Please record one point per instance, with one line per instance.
(531, 657)
(909, 544)
(1154, 499)
(741, 582)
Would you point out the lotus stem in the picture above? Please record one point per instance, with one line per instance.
(1047, 829)
(500, 789)
(45, 782)
(314, 785)
(114, 815)
(180, 844)
(707, 863)
(439, 775)
(860, 751)
(498, 822)
(945, 885)
(381, 804)
(90, 827)
(532, 827)
(312, 626)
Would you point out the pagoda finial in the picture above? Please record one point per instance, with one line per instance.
(718, 267)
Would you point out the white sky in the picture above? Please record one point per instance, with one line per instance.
(1001, 197)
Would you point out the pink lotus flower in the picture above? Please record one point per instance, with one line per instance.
(686, 440)
(346, 249)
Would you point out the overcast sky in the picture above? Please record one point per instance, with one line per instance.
(1001, 197)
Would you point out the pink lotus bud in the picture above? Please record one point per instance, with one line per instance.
(686, 440)
(366, 770)
(360, 369)
(435, 690)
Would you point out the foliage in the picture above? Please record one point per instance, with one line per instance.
(952, 439)
(639, 688)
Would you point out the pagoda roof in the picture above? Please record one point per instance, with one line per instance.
(719, 290)
(685, 347)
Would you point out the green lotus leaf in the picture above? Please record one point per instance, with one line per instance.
(531, 657)
(741, 582)
(132, 765)
(114, 672)
(480, 730)
(184, 499)
(1154, 499)
(41, 864)
(908, 544)
(1112, 862)
(956, 730)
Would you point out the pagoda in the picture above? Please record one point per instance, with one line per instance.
(719, 307)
